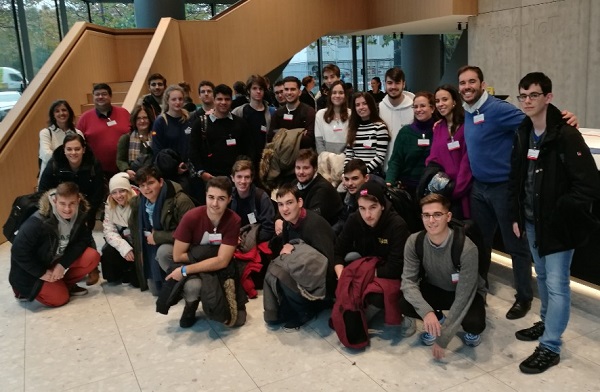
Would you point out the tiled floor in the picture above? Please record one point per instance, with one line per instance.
(113, 340)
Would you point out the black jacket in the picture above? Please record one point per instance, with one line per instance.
(386, 240)
(89, 177)
(321, 197)
(566, 183)
(35, 246)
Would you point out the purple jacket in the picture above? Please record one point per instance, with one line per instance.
(455, 162)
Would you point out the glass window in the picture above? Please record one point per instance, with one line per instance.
(383, 52)
(304, 63)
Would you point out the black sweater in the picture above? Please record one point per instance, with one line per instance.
(386, 240)
(321, 197)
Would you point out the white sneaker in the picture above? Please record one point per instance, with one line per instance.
(408, 327)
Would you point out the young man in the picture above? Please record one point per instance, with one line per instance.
(375, 230)
(219, 138)
(252, 204)
(54, 249)
(152, 102)
(154, 217)
(206, 90)
(316, 192)
(396, 108)
(279, 93)
(103, 126)
(331, 73)
(355, 175)
(553, 183)
(212, 225)
(257, 114)
(294, 114)
(434, 284)
(490, 125)
(296, 282)
(239, 98)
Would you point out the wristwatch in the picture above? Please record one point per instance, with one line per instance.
(183, 271)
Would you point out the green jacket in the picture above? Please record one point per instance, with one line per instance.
(176, 204)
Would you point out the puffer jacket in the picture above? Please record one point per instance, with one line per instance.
(35, 246)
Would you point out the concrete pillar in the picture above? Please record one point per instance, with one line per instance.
(421, 62)
(149, 12)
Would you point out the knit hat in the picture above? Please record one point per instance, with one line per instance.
(119, 181)
(373, 189)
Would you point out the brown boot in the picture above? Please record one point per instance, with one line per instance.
(93, 277)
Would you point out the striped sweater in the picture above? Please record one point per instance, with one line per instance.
(370, 145)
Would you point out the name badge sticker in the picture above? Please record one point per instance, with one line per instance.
(368, 144)
(532, 154)
(215, 238)
(188, 131)
(455, 145)
(111, 123)
(478, 119)
(423, 142)
(263, 128)
(455, 278)
(251, 218)
(231, 142)
(288, 117)
(338, 129)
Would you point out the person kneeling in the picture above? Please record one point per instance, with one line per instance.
(205, 241)
(54, 249)
(435, 283)
(368, 265)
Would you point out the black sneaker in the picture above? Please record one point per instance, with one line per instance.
(539, 361)
(532, 333)
(188, 317)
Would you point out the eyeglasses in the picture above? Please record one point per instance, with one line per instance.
(142, 119)
(532, 96)
(278, 92)
(436, 216)
(101, 94)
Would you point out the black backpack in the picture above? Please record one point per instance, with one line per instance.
(461, 229)
(22, 208)
(405, 206)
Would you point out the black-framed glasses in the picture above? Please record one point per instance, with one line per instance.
(532, 96)
(436, 216)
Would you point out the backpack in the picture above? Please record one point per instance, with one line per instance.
(22, 208)
(405, 207)
(348, 314)
(279, 156)
(461, 229)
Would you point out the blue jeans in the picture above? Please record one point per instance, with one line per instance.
(553, 273)
(490, 210)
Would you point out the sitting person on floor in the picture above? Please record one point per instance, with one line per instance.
(54, 249)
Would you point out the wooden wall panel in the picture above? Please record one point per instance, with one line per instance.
(391, 12)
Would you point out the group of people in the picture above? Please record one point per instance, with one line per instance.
(187, 217)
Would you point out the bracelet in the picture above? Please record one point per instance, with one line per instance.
(183, 271)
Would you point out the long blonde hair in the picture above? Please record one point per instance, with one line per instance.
(165, 103)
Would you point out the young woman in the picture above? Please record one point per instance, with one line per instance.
(331, 123)
(133, 147)
(172, 128)
(61, 119)
(412, 145)
(376, 89)
(368, 136)
(117, 254)
(449, 150)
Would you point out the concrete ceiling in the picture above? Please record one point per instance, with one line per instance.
(442, 25)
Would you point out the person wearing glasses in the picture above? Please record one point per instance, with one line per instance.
(103, 126)
(151, 102)
(434, 285)
(134, 148)
(278, 92)
(553, 184)
(490, 125)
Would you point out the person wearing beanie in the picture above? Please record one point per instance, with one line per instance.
(117, 253)
(375, 230)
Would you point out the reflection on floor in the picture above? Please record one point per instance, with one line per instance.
(113, 340)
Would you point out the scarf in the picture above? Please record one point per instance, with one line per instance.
(135, 145)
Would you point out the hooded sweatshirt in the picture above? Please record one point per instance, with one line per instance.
(395, 117)
(65, 227)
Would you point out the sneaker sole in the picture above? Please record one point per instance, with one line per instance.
(525, 338)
